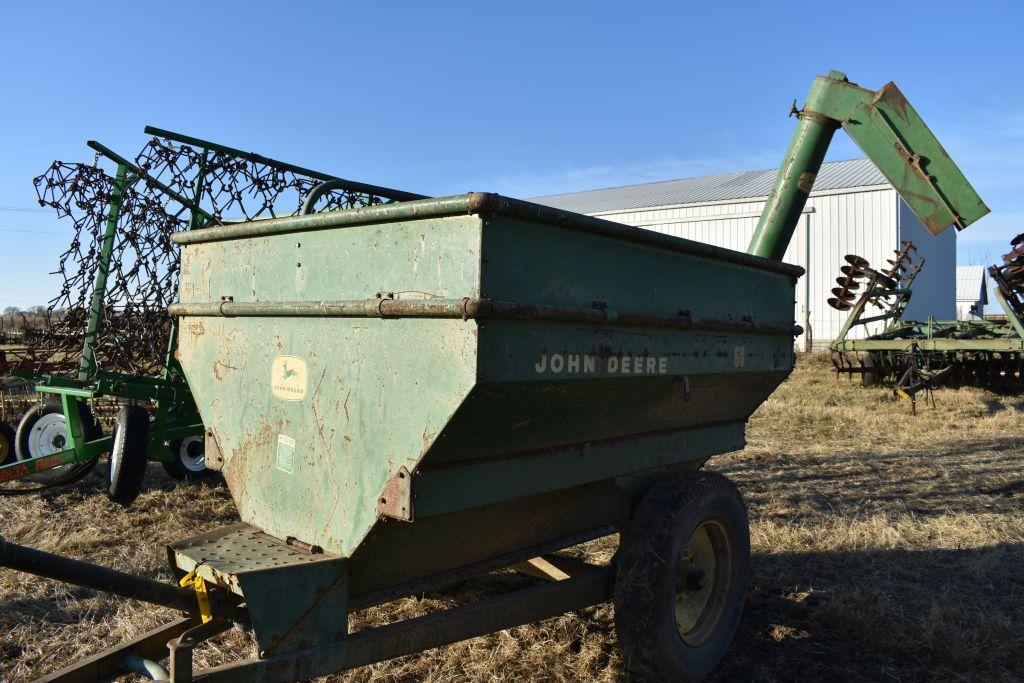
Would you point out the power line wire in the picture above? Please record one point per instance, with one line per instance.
(35, 232)
(24, 209)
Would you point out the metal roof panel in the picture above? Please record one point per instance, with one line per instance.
(835, 175)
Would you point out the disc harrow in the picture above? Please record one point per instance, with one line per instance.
(916, 356)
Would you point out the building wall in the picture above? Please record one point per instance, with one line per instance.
(865, 222)
(934, 288)
(965, 309)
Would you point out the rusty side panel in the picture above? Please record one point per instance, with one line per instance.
(313, 416)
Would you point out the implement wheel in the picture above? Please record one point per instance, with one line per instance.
(6, 444)
(43, 431)
(189, 462)
(870, 376)
(681, 577)
(129, 454)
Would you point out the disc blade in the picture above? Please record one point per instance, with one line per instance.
(838, 305)
(847, 283)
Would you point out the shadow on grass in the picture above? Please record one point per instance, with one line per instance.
(96, 482)
(974, 478)
(851, 615)
(882, 614)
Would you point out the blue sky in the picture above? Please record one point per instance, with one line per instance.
(521, 98)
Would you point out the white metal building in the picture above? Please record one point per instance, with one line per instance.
(971, 292)
(852, 209)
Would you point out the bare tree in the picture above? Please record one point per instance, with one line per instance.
(12, 310)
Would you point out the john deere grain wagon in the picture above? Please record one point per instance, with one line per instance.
(404, 395)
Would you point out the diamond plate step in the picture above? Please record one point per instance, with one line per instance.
(224, 554)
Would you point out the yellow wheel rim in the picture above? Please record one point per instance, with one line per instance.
(703, 573)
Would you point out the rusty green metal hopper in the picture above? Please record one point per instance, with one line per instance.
(464, 360)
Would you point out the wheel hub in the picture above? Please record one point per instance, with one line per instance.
(702, 582)
(191, 455)
(48, 435)
(693, 582)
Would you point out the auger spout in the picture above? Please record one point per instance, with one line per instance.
(891, 134)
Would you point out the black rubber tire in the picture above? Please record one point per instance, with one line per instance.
(648, 570)
(129, 454)
(869, 379)
(65, 474)
(176, 469)
(7, 455)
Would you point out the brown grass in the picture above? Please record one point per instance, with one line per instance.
(885, 546)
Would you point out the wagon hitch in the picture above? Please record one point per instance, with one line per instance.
(107, 580)
(203, 619)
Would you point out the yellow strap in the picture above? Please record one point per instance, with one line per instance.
(198, 584)
(903, 393)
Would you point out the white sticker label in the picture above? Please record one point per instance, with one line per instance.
(285, 453)
(288, 378)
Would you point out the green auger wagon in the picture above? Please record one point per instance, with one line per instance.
(405, 395)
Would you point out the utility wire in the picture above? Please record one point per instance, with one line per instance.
(36, 232)
(24, 209)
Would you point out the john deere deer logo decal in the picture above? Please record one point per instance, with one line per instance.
(288, 372)
(288, 378)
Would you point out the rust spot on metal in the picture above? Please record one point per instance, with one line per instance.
(303, 546)
(395, 500)
(212, 453)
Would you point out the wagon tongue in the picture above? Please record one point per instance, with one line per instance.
(97, 577)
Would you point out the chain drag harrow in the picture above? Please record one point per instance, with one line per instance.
(110, 337)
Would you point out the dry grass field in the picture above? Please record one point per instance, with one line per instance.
(886, 547)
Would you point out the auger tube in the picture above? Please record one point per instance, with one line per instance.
(794, 182)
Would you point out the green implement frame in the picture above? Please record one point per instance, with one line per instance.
(920, 355)
(175, 415)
